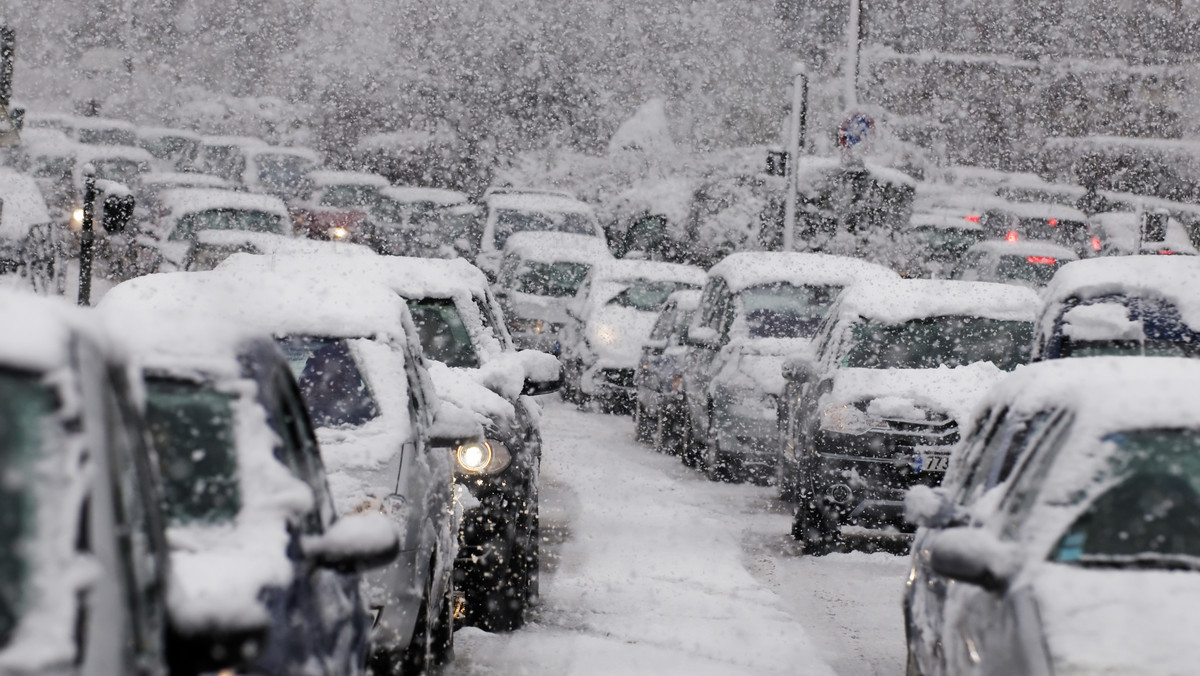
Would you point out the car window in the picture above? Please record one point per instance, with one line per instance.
(343, 196)
(333, 386)
(664, 324)
(782, 310)
(245, 220)
(557, 280)
(647, 295)
(1027, 480)
(510, 221)
(444, 336)
(932, 342)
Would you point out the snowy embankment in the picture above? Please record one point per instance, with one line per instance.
(651, 577)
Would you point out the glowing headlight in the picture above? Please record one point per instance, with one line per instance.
(338, 233)
(482, 457)
(606, 334)
(846, 419)
(77, 219)
(527, 325)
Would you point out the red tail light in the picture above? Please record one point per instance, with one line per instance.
(1052, 221)
(973, 218)
(1165, 252)
(1096, 243)
(1012, 236)
(1041, 260)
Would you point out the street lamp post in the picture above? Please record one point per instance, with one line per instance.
(87, 235)
(796, 128)
(853, 38)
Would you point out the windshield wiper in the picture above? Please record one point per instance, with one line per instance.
(1153, 560)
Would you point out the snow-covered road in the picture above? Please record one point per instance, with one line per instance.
(650, 568)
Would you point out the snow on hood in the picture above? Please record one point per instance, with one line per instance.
(23, 206)
(617, 334)
(552, 247)
(188, 200)
(627, 271)
(953, 391)
(1118, 621)
(903, 300)
(751, 268)
(1174, 278)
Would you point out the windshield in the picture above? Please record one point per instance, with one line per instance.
(647, 296)
(946, 244)
(1127, 326)
(283, 173)
(192, 428)
(121, 171)
(558, 280)
(1036, 270)
(783, 310)
(25, 407)
(350, 195)
(1150, 515)
(509, 221)
(333, 386)
(106, 137)
(931, 342)
(245, 220)
(168, 147)
(443, 334)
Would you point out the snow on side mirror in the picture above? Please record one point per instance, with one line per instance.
(453, 427)
(543, 373)
(355, 543)
(927, 507)
(703, 337)
(974, 556)
(800, 368)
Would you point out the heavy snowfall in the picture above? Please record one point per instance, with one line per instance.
(388, 337)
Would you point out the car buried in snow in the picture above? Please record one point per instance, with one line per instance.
(474, 366)
(539, 275)
(658, 412)
(337, 204)
(508, 211)
(84, 573)
(897, 370)
(420, 222)
(1087, 558)
(610, 320)
(384, 432)
(197, 228)
(757, 308)
(1121, 305)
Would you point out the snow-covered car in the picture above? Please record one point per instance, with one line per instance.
(610, 320)
(474, 366)
(897, 372)
(658, 412)
(539, 275)
(757, 308)
(26, 234)
(1121, 305)
(254, 532)
(509, 211)
(935, 242)
(84, 572)
(224, 156)
(1121, 234)
(338, 203)
(196, 228)
(173, 149)
(421, 222)
(1062, 225)
(1085, 560)
(1027, 262)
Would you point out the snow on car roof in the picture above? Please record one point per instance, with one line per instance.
(293, 151)
(241, 141)
(323, 178)
(552, 247)
(38, 330)
(537, 202)
(811, 168)
(165, 132)
(628, 270)
(187, 200)
(671, 198)
(1123, 229)
(907, 299)
(87, 153)
(181, 179)
(45, 139)
(751, 268)
(1174, 278)
(102, 123)
(22, 205)
(1025, 247)
(406, 194)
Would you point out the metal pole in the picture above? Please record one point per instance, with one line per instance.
(853, 37)
(87, 236)
(796, 125)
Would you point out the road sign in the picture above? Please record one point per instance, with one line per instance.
(855, 131)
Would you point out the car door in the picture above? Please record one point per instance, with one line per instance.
(715, 308)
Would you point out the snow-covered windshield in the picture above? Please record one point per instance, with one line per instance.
(1036, 270)
(25, 407)
(246, 220)
(444, 336)
(931, 342)
(167, 147)
(509, 221)
(782, 310)
(333, 386)
(283, 174)
(106, 137)
(1127, 326)
(350, 195)
(647, 296)
(1150, 517)
(191, 425)
(559, 280)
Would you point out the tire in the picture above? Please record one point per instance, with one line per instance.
(504, 605)
(689, 451)
(785, 480)
(812, 528)
(666, 437)
(642, 429)
(719, 466)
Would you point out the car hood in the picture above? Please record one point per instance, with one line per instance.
(1118, 621)
(894, 392)
(617, 334)
(547, 308)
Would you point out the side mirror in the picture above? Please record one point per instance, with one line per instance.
(212, 651)
(703, 337)
(543, 372)
(655, 346)
(355, 543)
(974, 556)
(927, 507)
(453, 427)
(801, 369)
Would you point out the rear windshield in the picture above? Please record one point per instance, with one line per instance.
(192, 428)
(940, 341)
(444, 336)
(106, 137)
(648, 296)
(558, 280)
(1036, 270)
(344, 196)
(334, 388)
(783, 310)
(25, 408)
(1127, 326)
(509, 221)
(227, 219)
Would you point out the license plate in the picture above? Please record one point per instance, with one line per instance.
(931, 462)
